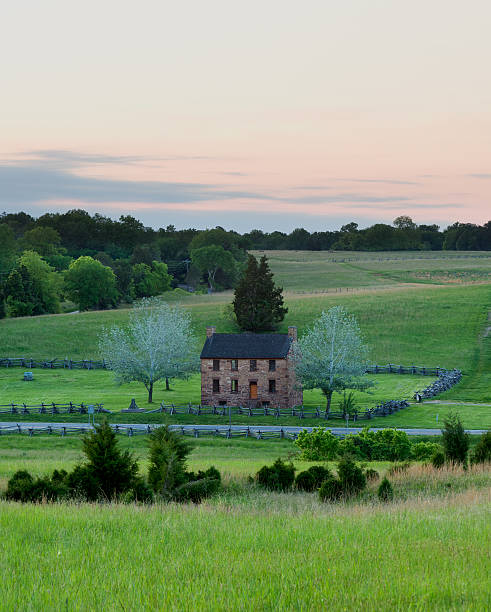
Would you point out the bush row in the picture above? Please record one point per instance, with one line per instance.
(110, 474)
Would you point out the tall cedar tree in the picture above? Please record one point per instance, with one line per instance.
(258, 303)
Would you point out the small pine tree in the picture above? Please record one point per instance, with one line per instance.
(385, 491)
(168, 453)
(114, 472)
(482, 451)
(351, 476)
(455, 440)
(258, 303)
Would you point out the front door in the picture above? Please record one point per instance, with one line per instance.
(253, 390)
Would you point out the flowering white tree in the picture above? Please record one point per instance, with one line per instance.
(157, 343)
(331, 355)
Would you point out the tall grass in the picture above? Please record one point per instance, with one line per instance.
(425, 554)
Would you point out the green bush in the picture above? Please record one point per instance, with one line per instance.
(311, 479)
(277, 477)
(371, 475)
(168, 454)
(383, 445)
(482, 450)
(455, 440)
(438, 459)
(330, 489)
(351, 476)
(196, 490)
(23, 487)
(317, 445)
(385, 491)
(422, 451)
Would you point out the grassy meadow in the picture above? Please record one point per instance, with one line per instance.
(249, 549)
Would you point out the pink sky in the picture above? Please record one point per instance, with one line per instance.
(271, 115)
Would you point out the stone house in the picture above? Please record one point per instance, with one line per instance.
(249, 370)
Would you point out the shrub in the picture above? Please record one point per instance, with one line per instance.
(398, 468)
(112, 472)
(385, 491)
(351, 476)
(482, 450)
(168, 453)
(317, 445)
(455, 440)
(371, 475)
(438, 459)
(330, 489)
(422, 451)
(383, 445)
(196, 490)
(276, 477)
(311, 479)
(23, 487)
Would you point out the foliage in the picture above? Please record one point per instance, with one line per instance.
(46, 283)
(382, 445)
(347, 404)
(108, 468)
(331, 355)
(277, 477)
(482, 450)
(210, 259)
(422, 451)
(22, 487)
(150, 280)
(90, 284)
(398, 468)
(258, 303)
(438, 459)
(167, 474)
(385, 491)
(156, 344)
(330, 489)
(311, 479)
(350, 476)
(371, 474)
(317, 445)
(455, 440)
(167, 455)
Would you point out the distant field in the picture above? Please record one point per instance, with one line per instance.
(323, 270)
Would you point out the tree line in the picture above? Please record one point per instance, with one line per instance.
(97, 262)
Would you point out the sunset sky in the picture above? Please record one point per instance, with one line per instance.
(270, 115)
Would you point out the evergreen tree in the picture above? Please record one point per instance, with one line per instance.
(455, 441)
(18, 290)
(258, 303)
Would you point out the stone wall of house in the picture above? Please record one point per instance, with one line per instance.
(285, 397)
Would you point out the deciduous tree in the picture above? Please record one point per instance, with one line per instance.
(156, 344)
(331, 356)
(90, 284)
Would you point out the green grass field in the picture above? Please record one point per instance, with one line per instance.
(247, 548)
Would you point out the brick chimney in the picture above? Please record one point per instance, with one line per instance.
(292, 333)
(210, 330)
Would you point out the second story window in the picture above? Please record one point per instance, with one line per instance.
(272, 386)
(216, 365)
(253, 365)
(234, 365)
(234, 387)
(216, 385)
(272, 365)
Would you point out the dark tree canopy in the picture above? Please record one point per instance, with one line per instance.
(258, 303)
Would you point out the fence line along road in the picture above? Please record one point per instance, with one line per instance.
(224, 431)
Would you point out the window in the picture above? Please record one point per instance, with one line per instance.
(222, 403)
(234, 365)
(216, 385)
(265, 404)
(216, 365)
(234, 386)
(253, 365)
(272, 365)
(272, 386)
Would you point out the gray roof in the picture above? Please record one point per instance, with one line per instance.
(246, 346)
